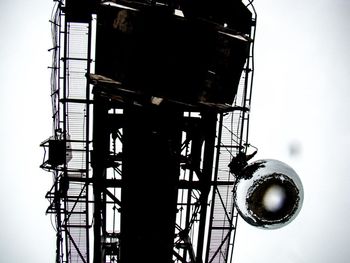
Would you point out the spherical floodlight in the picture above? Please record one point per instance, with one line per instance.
(268, 194)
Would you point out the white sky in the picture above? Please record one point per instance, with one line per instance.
(301, 98)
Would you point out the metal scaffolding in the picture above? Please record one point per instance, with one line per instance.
(93, 141)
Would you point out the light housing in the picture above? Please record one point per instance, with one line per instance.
(268, 194)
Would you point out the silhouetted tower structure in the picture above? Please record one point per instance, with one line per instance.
(150, 103)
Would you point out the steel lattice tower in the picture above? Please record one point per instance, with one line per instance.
(150, 102)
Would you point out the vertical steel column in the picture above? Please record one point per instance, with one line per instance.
(99, 156)
(209, 127)
(64, 118)
(151, 148)
(87, 139)
(217, 159)
(189, 198)
(58, 218)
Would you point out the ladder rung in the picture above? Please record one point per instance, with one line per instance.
(76, 226)
(76, 101)
(81, 59)
(230, 146)
(223, 228)
(76, 213)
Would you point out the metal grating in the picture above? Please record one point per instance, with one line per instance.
(76, 120)
(232, 139)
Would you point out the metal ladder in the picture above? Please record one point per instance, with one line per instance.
(70, 93)
(232, 138)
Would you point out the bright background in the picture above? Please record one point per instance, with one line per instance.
(301, 99)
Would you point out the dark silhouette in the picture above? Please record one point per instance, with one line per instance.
(155, 104)
(239, 162)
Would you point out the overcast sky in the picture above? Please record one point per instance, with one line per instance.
(300, 108)
(299, 115)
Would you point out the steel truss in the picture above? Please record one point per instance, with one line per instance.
(86, 158)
